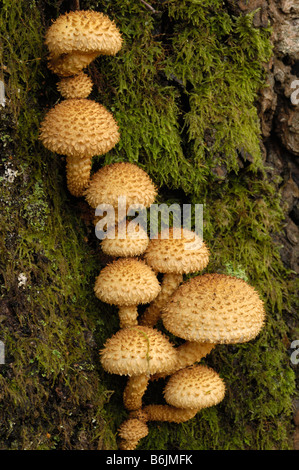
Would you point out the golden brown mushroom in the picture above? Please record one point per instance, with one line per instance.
(133, 242)
(127, 282)
(76, 38)
(79, 129)
(130, 432)
(137, 352)
(173, 253)
(215, 308)
(187, 392)
(76, 86)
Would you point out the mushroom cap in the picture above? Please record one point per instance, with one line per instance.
(125, 282)
(134, 244)
(133, 430)
(179, 251)
(194, 387)
(138, 350)
(66, 65)
(77, 86)
(85, 31)
(121, 179)
(214, 308)
(79, 128)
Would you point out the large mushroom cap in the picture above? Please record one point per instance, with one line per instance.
(80, 128)
(127, 281)
(121, 179)
(214, 308)
(137, 350)
(177, 251)
(85, 31)
(194, 387)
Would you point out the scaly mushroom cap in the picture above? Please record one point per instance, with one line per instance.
(214, 308)
(194, 387)
(127, 281)
(181, 252)
(138, 350)
(134, 244)
(121, 179)
(77, 86)
(79, 128)
(131, 431)
(85, 31)
(66, 65)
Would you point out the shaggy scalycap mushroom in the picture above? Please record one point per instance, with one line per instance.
(187, 392)
(130, 432)
(214, 308)
(79, 129)
(194, 387)
(173, 253)
(127, 282)
(137, 352)
(66, 65)
(85, 31)
(77, 86)
(134, 243)
(122, 179)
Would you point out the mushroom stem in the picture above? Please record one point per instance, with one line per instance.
(78, 174)
(187, 354)
(169, 284)
(134, 391)
(169, 413)
(128, 316)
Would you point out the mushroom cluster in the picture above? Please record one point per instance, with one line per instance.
(203, 311)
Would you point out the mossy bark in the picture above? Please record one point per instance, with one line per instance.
(184, 91)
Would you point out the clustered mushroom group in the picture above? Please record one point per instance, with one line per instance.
(203, 310)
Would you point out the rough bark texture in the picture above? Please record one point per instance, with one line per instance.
(203, 94)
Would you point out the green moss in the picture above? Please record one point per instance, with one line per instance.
(176, 88)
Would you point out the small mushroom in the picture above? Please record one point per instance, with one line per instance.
(137, 352)
(76, 38)
(130, 432)
(127, 282)
(214, 308)
(79, 129)
(77, 86)
(174, 253)
(133, 243)
(187, 392)
(121, 180)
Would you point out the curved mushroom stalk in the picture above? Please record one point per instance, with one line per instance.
(134, 391)
(188, 354)
(169, 413)
(169, 284)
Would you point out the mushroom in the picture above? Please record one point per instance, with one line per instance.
(77, 86)
(127, 282)
(79, 129)
(174, 253)
(121, 180)
(130, 432)
(137, 352)
(78, 37)
(187, 392)
(214, 308)
(133, 243)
